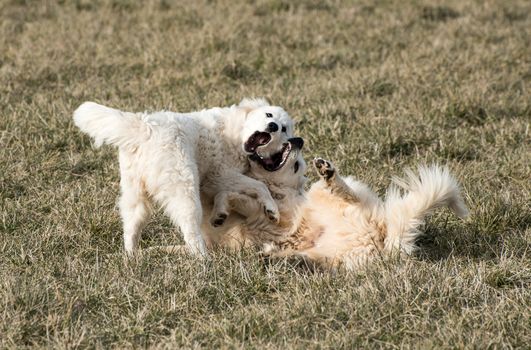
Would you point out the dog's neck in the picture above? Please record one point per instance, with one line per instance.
(288, 198)
(279, 191)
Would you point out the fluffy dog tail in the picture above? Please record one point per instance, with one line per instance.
(404, 213)
(111, 126)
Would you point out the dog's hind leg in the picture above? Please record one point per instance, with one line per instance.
(134, 209)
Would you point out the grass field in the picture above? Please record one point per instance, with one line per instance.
(376, 86)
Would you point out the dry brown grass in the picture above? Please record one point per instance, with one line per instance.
(375, 86)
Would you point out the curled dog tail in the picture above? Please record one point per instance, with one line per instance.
(111, 126)
(433, 187)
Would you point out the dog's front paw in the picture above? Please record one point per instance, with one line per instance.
(218, 219)
(324, 169)
(272, 214)
(197, 247)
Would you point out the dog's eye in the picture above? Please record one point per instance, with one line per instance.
(269, 115)
(296, 166)
(283, 129)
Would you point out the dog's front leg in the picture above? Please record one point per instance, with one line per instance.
(185, 211)
(227, 201)
(255, 189)
(181, 202)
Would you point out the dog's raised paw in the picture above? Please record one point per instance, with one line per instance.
(218, 220)
(272, 215)
(324, 168)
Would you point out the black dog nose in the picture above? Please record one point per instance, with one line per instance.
(272, 127)
(296, 142)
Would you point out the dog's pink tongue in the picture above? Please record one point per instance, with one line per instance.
(263, 139)
(268, 161)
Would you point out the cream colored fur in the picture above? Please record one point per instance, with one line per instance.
(341, 222)
(171, 158)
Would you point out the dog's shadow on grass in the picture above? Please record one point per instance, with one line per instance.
(439, 243)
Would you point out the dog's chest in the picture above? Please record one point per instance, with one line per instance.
(215, 156)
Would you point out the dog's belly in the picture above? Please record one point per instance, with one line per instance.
(331, 228)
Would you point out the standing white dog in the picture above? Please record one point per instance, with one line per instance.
(171, 157)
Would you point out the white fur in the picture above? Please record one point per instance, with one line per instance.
(111, 126)
(170, 157)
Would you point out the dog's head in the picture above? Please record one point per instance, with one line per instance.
(265, 134)
(290, 174)
(275, 155)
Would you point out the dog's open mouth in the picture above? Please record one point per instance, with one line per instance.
(259, 138)
(276, 161)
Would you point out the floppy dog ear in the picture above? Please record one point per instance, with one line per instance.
(252, 103)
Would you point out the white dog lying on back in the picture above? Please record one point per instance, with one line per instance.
(171, 157)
